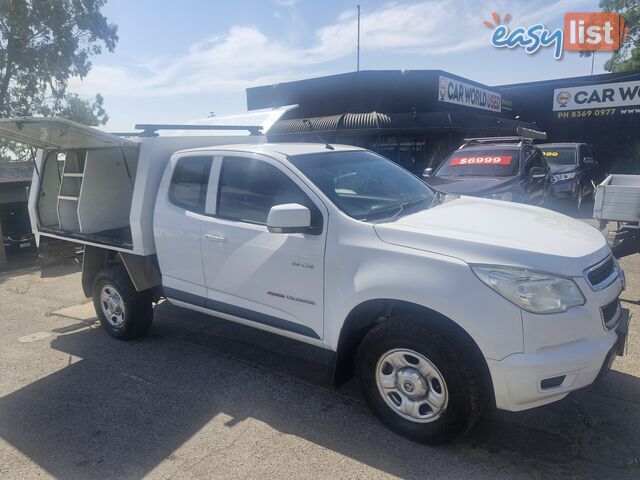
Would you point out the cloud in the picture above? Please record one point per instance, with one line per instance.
(286, 3)
(429, 27)
(245, 56)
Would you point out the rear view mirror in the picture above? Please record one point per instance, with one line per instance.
(289, 218)
(537, 172)
(427, 172)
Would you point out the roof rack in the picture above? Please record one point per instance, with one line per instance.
(530, 133)
(524, 135)
(151, 129)
(498, 140)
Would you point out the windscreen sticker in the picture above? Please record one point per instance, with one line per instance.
(550, 154)
(501, 160)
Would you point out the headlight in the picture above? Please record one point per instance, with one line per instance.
(507, 196)
(564, 176)
(535, 292)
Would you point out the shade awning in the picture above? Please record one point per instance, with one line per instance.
(373, 122)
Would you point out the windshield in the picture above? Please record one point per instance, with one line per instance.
(480, 163)
(560, 156)
(364, 185)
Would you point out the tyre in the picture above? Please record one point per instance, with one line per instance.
(417, 382)
(124, 313)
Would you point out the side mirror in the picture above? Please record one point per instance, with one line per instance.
(427, 172)
(289, 218)
(588, 161)
(538, 172)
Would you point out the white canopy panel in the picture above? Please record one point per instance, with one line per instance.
(264, 118)
(57, 133)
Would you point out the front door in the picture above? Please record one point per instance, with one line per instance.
(537, 188)
(271, 279)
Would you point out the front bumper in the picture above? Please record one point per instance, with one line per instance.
(518, 378)
(565, 188)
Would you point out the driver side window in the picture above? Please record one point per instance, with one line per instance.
(538, 159)
(248, 189)
(533, 158)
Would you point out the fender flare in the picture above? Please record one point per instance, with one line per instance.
(369, 313)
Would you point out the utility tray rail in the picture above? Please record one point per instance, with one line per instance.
(618, 199)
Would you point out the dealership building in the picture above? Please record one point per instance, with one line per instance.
(417, 117)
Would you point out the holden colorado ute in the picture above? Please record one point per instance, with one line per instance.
(441, 306)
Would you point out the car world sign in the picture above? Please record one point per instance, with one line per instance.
(602, 96)
(461, 93)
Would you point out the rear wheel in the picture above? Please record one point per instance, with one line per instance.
(124, 313)
(417, 382)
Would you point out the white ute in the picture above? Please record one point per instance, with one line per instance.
(440, 306)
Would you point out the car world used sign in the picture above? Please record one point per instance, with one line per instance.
(602, 96)
(461, 93)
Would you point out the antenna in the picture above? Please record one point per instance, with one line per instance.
(358, 50)
(307, 122)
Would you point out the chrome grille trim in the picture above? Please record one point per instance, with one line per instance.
(608, 280)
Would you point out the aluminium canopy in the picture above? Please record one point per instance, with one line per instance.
(57, 133)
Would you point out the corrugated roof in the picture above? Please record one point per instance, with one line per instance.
(373, 121)
(332, 123)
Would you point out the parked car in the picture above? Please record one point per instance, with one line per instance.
(18, 241)
(17, 236)
(573, 170)
(503, 168)
(441, 306)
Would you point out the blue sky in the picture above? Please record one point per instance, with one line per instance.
(180, 60)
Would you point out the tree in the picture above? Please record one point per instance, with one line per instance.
(43, 43)
(626, 59)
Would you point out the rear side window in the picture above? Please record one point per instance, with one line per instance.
(189, 183)
(249, 188)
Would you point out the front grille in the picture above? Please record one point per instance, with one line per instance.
(610, 313)
(601, 272)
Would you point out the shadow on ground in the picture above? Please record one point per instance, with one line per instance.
(126, 406)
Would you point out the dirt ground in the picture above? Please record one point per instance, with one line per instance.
(204, 398)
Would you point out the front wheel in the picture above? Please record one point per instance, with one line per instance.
(417, 382)
(124, 313)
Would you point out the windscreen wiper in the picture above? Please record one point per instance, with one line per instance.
(401, 208)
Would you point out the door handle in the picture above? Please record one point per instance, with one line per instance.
(215, 238)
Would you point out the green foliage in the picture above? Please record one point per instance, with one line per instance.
(43, 43)
(626, 59)
(82, 111)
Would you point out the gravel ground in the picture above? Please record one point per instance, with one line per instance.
(204, 398)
